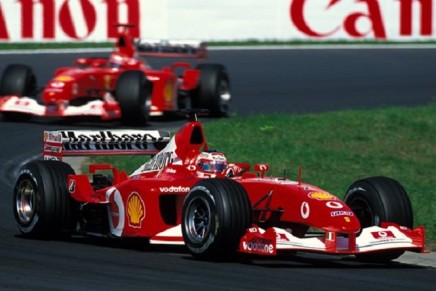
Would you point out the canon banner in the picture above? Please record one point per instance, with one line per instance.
(93, 20)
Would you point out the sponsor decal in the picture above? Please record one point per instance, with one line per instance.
(159, 161)
(383, 234)
(53, 149)
(365, 11)
(59, 18)
(63, 78)
(168, 92)
(107, 81)
(386, 236)
(108, 140)
(334, 205)
(72, 186)
(57, 84)
(51, 158)
(135, 210)
(321, 196)
(174, 189)
(347, 219)
(52, 136)
(341, 213)
(305, 210)
(259, 246)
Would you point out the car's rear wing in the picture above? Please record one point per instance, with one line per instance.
(58, 144)
(172, 48)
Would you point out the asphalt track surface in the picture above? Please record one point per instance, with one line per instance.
(264, 81)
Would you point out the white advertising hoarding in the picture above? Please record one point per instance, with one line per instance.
(227, 20)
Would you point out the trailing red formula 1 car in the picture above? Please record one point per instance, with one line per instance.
(188, 194)
(120, 87)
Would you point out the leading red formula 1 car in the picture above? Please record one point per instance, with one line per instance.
(122, 86)
(189, 194)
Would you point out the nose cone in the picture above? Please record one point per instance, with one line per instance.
(343, 221)
(56, 88)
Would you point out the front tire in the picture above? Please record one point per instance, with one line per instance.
(42, 205)
(380, 199)
(216, 214)
(133, 93)
(18, 80)
(213, 92)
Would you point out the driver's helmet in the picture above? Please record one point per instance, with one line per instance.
(211, 162)
(116, 61)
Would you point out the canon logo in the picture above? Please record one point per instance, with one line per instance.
(58, 14)
(373, 14)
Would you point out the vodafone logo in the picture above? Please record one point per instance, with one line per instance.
(305, 210)
(258, 247)
(174, 189)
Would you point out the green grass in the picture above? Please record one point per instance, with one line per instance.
(335, 149)
(249, 42)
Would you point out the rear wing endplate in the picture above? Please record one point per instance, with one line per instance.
(58, 144)
(172, 48)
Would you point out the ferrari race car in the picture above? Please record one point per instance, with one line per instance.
(189, 194)
(120, 87)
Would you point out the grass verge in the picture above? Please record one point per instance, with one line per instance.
(337, 148)
(249, 42)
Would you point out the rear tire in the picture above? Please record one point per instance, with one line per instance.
(380, 199)
(133, 93)
(42, 205)
(213, 92)
(216, 214)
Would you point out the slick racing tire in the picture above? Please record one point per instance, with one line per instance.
(18, 80)
(133, 93)
(216, 214)
(42, 205)
(213, 92)
(379, 199)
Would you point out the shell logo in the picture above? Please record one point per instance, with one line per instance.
(168, 91)
(107, 81)
(321, 196)
(135, 210)
(64, 78)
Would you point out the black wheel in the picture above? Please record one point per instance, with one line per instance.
(18, 80)
(216, 214)
(213, 92)
(379, 199)
(133, 93)
(42, 205)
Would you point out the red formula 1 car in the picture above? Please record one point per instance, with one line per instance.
(121, 86)
(187, 194)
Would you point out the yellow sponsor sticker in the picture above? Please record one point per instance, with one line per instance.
(63, 78)
(321, 196)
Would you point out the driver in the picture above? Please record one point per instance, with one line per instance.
(214, 162)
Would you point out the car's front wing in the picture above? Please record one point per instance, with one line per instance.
(371, 239)
(106, 110)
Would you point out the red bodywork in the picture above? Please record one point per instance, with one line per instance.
(149, 202)
(92, 81)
